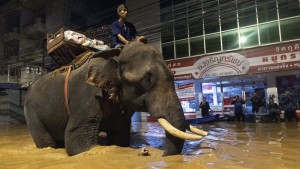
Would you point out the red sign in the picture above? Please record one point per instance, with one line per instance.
(257, 60)
(185, 91)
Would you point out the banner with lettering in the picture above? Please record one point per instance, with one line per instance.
(279, 57)
(186, 91)
(186, 95)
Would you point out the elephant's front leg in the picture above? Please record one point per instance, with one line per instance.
(81, 136)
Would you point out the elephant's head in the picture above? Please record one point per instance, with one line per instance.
(148, 85)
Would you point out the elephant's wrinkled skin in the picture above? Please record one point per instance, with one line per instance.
(99, 92)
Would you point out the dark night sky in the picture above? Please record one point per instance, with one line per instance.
(103, 12)
(2, 2)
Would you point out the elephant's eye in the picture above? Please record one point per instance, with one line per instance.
(148, 81)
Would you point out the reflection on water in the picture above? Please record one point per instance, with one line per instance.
(229, 145)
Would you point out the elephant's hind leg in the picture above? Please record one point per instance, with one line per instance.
(39, 133)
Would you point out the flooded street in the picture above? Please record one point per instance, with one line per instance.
(229, 145)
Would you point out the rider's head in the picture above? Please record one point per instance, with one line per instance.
(122, 11)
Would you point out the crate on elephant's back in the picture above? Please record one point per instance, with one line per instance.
(65, 45)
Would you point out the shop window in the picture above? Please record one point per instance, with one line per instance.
(196, 27)
(211, 16)
(168, 50)
(230, 92)
(289, 84)
(230, 40)
(247, 13)
(195, 18)
(11, 48)
(180, 29)
(288, 8)
(228, 14)
(166, 18)
(178, 2)
(269, 33)
(213, 43)
(5, 71)
(167, 32)
(197, 46)
(290, 29)
(165, 4)
(248, 36)
(1, 70)
(32, 70)
(267, 11)
(38, 70)
(13, 71)
(12, 20)
(212, 92)
(166, 11)
(211, 25)
(180, 23)
(182, 49)
(27, 69)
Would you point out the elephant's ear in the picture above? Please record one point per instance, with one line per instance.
(98, 72)
(92, 80)
(95, 76)
(103, 73)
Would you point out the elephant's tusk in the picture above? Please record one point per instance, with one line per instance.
(197, 131)
(175, 132)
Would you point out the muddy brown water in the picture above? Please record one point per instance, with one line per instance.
(230, 145)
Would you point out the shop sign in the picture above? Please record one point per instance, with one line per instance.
(186, 95)
(185, 91)
(257, 60)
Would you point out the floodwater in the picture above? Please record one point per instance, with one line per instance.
(230, 145)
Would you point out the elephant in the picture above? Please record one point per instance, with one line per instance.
(101, 95)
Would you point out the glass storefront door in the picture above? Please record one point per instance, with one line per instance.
(220, 93)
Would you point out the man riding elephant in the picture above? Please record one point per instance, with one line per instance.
(123, 31)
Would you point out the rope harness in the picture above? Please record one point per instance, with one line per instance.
(79, 61)
(66, 89)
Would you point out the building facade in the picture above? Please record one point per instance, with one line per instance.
(217, 49)
(225, 48)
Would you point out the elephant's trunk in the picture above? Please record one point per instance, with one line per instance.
(171, 118)
(173, 144)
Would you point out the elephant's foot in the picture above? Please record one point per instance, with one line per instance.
(143, 152)
(102, 138)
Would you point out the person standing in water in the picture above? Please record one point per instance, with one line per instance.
(204, 106)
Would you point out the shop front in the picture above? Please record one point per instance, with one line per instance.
(260, 73)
